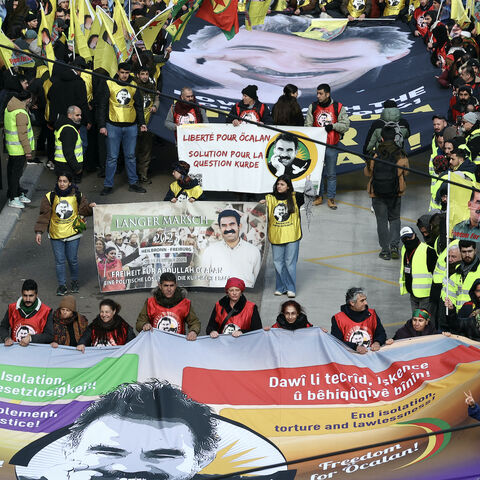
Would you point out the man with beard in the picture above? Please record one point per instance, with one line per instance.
(249, 108)
(184, 113)
(416, 271)
(441, 277)
(464, 276)
(334, 118)
(439, 123)
(465, 102)
(27, 313)
(68, 144)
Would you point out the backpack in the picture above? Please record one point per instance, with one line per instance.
(385, 177)
(398, 133)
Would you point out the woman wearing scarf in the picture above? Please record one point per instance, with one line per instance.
(68, 324)
(233, 314)
(60, 213)
(291, 317)
(108, 329)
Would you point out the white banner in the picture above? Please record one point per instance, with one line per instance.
(248, 158)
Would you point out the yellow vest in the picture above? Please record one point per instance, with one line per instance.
(284, 230)
(356, 7)
(440, 274)
(121, 105)
(64, 213)
(87, 78)
(475, 133)
(12, 142)
(59, 156)
(194, 192)
(462, 289)
(421, 277)
(393, 7)
(46, 87)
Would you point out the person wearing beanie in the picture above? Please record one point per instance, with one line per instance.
(390, 113)
(333, 117)
(68, 324)
(250, 108)
(233, 314)
(183, 187)
(31, 19)
(168, 310)
(19, 140)
(181, 113)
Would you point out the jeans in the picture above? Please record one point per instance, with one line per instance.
(65, 251)
(387, 213)
(285, 259)
(127, 136)
(14, 173)
(329, 173)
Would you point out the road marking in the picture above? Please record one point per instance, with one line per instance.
(342, 255)
(394, 324)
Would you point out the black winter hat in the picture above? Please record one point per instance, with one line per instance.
(251, 91)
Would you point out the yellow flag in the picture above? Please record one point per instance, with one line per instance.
(128, 32)
(46, 40)
(151, 29)
(11, 58)
(105, 53)
(324, 29)
(470, 7)
(257, 11)
(459, 14)
(177, 27)
(51, 15)
(117, 32)
(81, 40)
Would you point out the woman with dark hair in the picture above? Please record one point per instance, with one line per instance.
(284, 233)
(108, 329)
(60, 213)
(183, 187)
(68, 324)
(291, 317)
(287, 111)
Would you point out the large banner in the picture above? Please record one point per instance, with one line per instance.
(248, 158)
(280, 396)
(367, 64)
(202, 243)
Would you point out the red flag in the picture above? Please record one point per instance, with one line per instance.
(222, 13)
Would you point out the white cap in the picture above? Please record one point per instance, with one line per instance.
(406, 232)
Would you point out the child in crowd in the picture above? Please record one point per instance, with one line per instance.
(183, 187)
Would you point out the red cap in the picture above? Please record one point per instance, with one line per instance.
(235, 282)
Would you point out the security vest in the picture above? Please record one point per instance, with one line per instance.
(189, 117)
(194, 192)
(34, 324)
(440, 274)
(59, 156)
(64, 214)
(14, 147)
(356, 7)
(421, 277)
(254, 113)
(474, 134)
(462, 288)
(87, 78)
(323, 116)
(168, 319)
(350, 329)
(121, 106)
(242, 320)
(282, 231)
(393, 7)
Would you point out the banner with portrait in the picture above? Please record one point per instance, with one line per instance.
(464, 207)
(202, 243)
(164, 408)
(248, 158)
(384, 61)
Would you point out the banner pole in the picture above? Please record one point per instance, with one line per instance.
(447, 234)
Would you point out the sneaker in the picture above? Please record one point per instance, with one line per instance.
(290, 294)
(278, 293)
(62, 290)
(106, 191)
(331, 203)
(384, 255)
(50, 165)
(34, 161)
(135, 187)
(318, 200)
(394, 253)
(24, 199)
(74, 288)
(16, 203)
